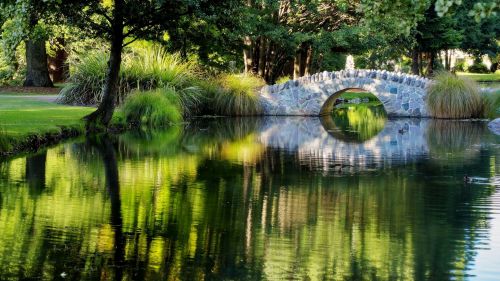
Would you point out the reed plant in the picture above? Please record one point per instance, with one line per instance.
(238, 95)
(491, 103)
(142, 69)
(453, 97)
(154, 108)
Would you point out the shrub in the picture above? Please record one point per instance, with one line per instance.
(141, 69)
(153, 108)
(282, 79)
(450, 96)
(478, 68)
(460, 66)
(491, 103)
(238, 95)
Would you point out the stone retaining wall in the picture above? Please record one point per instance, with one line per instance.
(401, 94)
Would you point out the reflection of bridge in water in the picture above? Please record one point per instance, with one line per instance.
(401, 141)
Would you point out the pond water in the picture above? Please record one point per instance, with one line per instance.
(355, 196)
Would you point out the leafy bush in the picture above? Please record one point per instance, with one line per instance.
(450, 96)
(142, 69)
(461, 66)
(238, 95)
(282, 79)
(153, 108)
(491, 103)
(478, 68)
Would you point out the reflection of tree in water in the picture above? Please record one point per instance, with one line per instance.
(35, 172)
(357, 123)
(201, 214)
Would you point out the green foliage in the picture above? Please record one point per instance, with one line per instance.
(461, 66)
(491, 102)
(479, 37)
(357, 123)
(282, 79)
(489, 77)
(478, 67)
(142, 69)
(238, 95)
(359, 95)
(155, 108)
(5, 143)
(437, 33)
(450, 96)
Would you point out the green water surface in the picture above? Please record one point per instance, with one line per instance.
(258, 199)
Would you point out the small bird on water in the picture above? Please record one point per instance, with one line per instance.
(467, 179)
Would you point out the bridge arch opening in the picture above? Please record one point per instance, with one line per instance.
(349, 96)
(353, 115)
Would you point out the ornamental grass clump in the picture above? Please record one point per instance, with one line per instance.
(153, 108)
(454, 97)
(491, 102)
(142, 69)
(238, 95)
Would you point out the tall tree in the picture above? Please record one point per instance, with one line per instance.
(298, 37)
(23, 23)
(121, 22)
(479, 37)
(432, 35)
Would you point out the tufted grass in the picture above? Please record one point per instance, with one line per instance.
(238, 95)
(491, 102)
(154, 108)
(142, 69)
(454, 97)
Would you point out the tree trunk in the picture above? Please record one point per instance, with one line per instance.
(447, 60)
(262, 56)
(420, 63)
(430, 65)
(248, 54)
(104, 113)
(296, 64)
(309, 58)
(37, 70)
(35, 172)
(415, 69)
(108, 154)
(320, 62)
(58, 65)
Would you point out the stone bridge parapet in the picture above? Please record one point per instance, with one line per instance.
(402, 94)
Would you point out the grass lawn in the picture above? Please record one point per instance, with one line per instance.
(488, 77)
(22, 116)
(361, 95)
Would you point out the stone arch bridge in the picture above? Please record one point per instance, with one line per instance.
(401, 94)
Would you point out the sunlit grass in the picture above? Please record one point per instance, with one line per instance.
(282, 79)
(491, 101)
(153, 108)
(450, 96)
(141, 69)
(23, 117)
(479, 77)
(238, 95)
